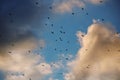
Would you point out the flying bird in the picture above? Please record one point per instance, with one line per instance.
(52, 32)
(73, 13)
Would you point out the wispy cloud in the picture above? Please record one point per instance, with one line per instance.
(66, 5)
(62, 6)
(96, 2)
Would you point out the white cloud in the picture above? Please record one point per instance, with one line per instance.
(21, 63)
(66, 5)
(99, 55)
(62, 6)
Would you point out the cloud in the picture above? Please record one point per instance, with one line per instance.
(63, 6)
(67, 5)
(19, 18)
(99, 55)
(20, 62)
(96, 2)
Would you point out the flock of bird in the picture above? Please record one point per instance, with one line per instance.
(52, 32)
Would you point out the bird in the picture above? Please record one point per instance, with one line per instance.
(23, 74)
(68, 41)
(66, 58)
(82, 35)
(48, 17)
(29, 51)
(9, 52)
(36, 3)
(55, 49)
(52, 32)
(82, 8)
(60, 31)
(73, 13)
(60, 39)
(102, 19)
(41, 47)
(63, 32)
(118, 50)
(86, 13)
(66, 49)
(52, 25)
(88, 66)
(61, 27)
(101, 1)
(50, 7)
(46, 24)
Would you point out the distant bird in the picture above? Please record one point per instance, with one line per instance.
(60, 31)
(82, 35)
(67, 58)
(46, 24)
(119, 50)
(55, 49)
(52, 25)
(102, 19)
(88, 66)
(41, 47)
(86, 13)
(60, 39)
(63, 32)
(82, 8)
(9, 52)
(61, 27)
(52, 32)
(29, 51)
(48, 17)
(36, 3)
(101, 1)
(73, 13)
(23, 74)
(66, 49)
(68, 41)
(50, 7)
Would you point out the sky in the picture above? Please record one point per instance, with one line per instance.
(59, 40)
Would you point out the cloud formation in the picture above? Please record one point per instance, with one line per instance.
(67, 5)
(99, 55)
(19, 18)
(20, 62)
(62, 6)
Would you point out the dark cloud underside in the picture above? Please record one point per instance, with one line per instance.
(17, 18)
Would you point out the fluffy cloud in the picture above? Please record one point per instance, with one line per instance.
(62, 6)
(99, 55)
(19, 62)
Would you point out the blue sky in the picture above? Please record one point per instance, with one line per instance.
(55, 28)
